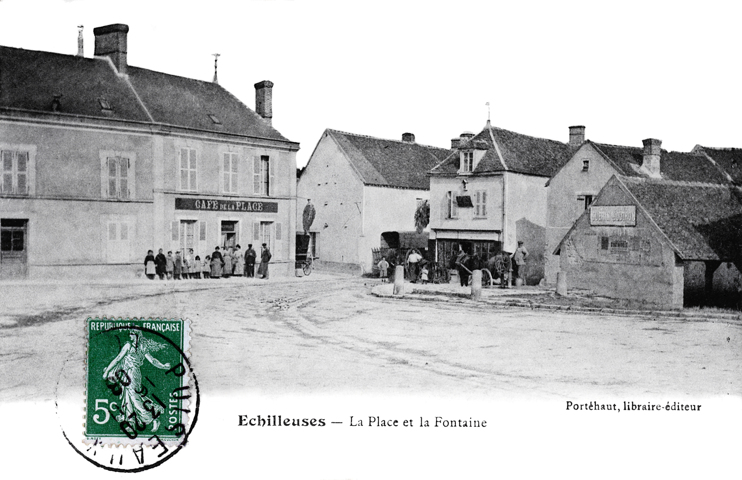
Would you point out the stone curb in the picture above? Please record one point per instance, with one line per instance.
(518, 303)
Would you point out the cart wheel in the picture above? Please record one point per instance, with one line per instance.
(308, 267)
(486, 278)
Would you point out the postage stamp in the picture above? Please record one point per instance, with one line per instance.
(138, 381)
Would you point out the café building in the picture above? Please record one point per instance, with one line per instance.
(102, 161)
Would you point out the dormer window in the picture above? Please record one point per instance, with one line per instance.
(215, 119)
(105, 105)
(585, 165)
(467, 161)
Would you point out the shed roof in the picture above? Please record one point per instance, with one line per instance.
(390, 163)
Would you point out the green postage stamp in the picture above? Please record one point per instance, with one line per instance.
(138, 381)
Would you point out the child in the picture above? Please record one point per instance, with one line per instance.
(383, 267)
(206, 267)
(424, 274)
(178, 266)
(170, 266)
(196, 269)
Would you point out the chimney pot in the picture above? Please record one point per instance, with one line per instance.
(408, 137)
(576, 135)
(651, 156)
(110, 41)
(264, 100)
(455, 143)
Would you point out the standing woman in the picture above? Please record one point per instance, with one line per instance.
(149, 265)
(265, 257)
(216, 263)
(239, 262)
(227, 263)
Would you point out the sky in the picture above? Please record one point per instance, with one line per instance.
(626, 70)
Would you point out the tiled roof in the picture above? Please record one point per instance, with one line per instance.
(677, 166)
(520, 153)
(30, 79)
(703, 221)
(390, 162)
(729, 159)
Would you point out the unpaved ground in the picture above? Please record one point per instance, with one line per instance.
(327, 334)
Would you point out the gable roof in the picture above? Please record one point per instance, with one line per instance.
(728, 159)
(511, 151)
(29, 80)
(701, 221)
(677, 166)
(391, 163)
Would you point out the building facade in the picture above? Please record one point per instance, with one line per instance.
(363, 187)
(490, 193)
(644, 239)
(573, 187)
(103, 161)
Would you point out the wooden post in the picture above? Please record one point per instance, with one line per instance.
(476, 285)
(561, 286)
(399, 280)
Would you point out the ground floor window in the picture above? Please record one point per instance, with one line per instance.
(187, 235)
(447, 250)
(13, 247)
(118, 240)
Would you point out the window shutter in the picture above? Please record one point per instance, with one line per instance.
(202, 231)
(183, 168)
(225, 172)
(278, 248)
(256, 232)
(256, 175)
(123, 177)
(194, 171)
(235, 170)
(272, 177)
(484, 203)
(175, 230)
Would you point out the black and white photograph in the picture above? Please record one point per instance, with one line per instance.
(315, 239)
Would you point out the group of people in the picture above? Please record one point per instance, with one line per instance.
(417, 267)
(500, 265)
(221, 263)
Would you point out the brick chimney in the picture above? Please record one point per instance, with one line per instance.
(408, 137)
(576, 135)
(455, 143)
(110, 41)
(651, 157)
(264, 99)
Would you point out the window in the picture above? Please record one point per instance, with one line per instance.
(467, 163)
(230, 172)
(419, 201)
(452, 206)
(480, 204)
(118, 241)
(15, 172)
(263, 176)
(187, 235)
(585, 200)
(585, 165)
(188, 169)
(118, 176)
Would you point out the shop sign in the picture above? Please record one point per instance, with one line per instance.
(613, 215)
(225, 205)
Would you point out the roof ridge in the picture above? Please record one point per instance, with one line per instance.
(386, 139)
(492, 127)
(723, 149)
(678, 183)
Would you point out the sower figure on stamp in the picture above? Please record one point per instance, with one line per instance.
(127, 365)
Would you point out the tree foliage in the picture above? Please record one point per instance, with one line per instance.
(422, 216)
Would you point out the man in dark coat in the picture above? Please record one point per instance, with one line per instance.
(160, 264)
(265, 257)
(250, 256)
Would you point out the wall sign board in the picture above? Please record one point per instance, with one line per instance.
(613, 215)
(225, 205)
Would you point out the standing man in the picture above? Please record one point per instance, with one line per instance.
(413, 261)
(250, 256)
(265, 257)
(519, 262)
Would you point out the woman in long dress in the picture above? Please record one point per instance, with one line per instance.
(216, 263)
(149, 265)
(127, 365)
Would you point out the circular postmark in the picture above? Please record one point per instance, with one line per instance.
(139, 396)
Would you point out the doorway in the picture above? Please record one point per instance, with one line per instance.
(13, 247)
(229, 234)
